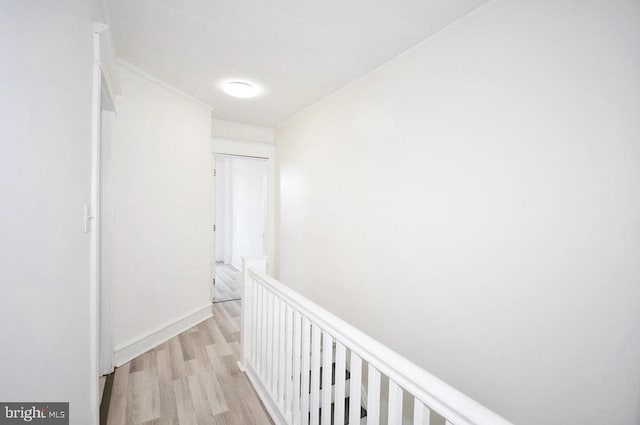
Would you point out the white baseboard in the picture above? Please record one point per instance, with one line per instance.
(132, 349)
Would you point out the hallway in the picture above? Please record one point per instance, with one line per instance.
(480, 156)
(192, 379)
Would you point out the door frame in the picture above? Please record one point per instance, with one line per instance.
(104, 89)
(236, 148)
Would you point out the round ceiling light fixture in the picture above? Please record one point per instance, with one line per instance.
(240, 89)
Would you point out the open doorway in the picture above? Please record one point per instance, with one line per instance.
(240, 205)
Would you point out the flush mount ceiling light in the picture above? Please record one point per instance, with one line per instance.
(240, 89)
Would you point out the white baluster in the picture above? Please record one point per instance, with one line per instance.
(288, 393)
(304, 371)
(355, 389)
(263, 344)
(395, 404)
(259, 323)
(282, 354)
(256, 323)
(315, 374)
(338, 409)
(275, 361)
(421, 413)
(246, 319)
(274, 350)
(373, 397)
(250, 308)
(297, 371)
(275, 356)
(327, 363)
(269, 343)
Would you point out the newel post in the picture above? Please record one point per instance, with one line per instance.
(247, 307)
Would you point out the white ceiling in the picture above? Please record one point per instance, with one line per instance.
(297, 51)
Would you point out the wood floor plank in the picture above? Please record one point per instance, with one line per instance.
(168, 405)
(200, 400)
(238, 414)
(199, 344)
(254, 411)
(215, 361)
(118, 404)
(178, 369)
(215, 393)
(233, 310)
(150, 363)
(192, 367)
(235, 348)
(144, 400)
(187, 347)
(218, 337)
(137, 364)
(205, 333)
(184, 403)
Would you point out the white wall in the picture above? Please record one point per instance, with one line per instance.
(161, 157)
(241, 132)
(248, 199)
(45, 141)
(474, 205)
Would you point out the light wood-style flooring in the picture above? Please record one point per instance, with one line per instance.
(227, 283)
(192, 379)
(102, 380)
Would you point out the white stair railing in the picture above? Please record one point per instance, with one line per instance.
(304, 362)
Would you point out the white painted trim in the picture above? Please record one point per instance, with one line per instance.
(224, 146)
(212, 214)
(102, 16)
(105, 283)
(228, 213)
(130, 67)
(267, 401)
(94, 213)
(133, 348)
(110, 82)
